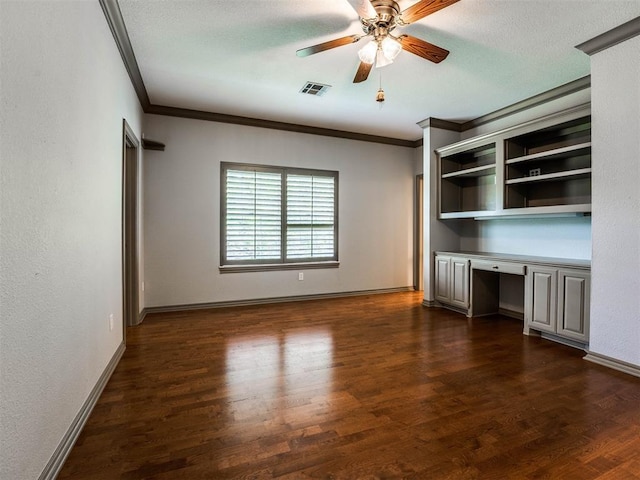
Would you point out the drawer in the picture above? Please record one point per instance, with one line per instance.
(500, 267)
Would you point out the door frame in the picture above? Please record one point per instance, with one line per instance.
(418, 234)
(130, 224)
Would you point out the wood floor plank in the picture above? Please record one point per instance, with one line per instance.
(370, 387)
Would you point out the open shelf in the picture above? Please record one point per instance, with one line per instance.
(481, 156)
(468, 194)
(541, 167)
(555, 154)
(575, 190)
(547, 140)
(558, 176)
(550, 167)
(472, 172)
(468, 181)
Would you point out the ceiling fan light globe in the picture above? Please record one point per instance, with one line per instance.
(391, 47)
(367, 53)
(382, 60)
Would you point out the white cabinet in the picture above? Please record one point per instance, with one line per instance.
(452, 281)
(557, 302)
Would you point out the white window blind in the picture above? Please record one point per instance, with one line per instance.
(276, 215)
(254, 214)
(310, 216)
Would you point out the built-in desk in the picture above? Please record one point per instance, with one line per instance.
(556, 290)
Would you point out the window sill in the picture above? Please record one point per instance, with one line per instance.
(277, 266)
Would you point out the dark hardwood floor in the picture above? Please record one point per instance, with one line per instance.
(371, 387)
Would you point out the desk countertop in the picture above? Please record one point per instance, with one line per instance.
(522, 259)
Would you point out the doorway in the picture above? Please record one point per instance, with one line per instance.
(131, 306)
(418, 242)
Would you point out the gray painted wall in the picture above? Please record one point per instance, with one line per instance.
(65, 93)
(182, 212)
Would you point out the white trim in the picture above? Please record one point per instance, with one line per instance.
(613, 363)
(61, 453)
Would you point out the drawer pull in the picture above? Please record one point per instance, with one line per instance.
(495, 266)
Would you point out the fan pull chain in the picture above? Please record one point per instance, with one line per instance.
(380, 94)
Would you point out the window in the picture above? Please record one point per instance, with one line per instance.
(278, 216)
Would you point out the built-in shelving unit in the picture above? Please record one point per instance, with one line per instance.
(540, 167)
(468, 181)
(550, 167)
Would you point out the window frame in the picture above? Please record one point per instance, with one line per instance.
(229, 266)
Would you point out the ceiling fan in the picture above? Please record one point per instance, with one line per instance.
(379, 18)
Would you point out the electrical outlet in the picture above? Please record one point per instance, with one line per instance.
(534, 172)
(300, 276)
(111, 322)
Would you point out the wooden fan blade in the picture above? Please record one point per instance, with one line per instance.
(423, 8)
(423, 49)
(363, 72)
(321, 47)
(363, 8)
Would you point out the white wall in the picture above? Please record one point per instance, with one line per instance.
(564, 237)
(615, 299)
(64, 95)
(182, 212)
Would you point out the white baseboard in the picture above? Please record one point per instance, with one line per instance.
(613, 363)
(58, 458)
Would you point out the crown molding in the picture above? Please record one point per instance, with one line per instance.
(115, 21)
(614, 36)
(536, 100)
(288, 127)
(433, 122)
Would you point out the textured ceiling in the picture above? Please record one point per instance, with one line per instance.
(238, 58)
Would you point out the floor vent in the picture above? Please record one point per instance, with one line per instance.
(314, 88)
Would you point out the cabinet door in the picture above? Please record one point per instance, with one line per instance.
(443, 283)
(460, 282)
(574, 292)
(541, 293)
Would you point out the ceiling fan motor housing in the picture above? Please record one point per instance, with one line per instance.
(387, 11)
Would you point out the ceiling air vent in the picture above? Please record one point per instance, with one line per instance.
(314, 88)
